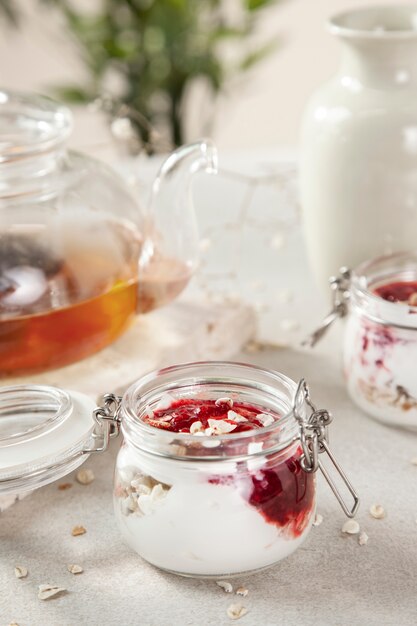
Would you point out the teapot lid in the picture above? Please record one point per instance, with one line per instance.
(43, 432)
(30, 123)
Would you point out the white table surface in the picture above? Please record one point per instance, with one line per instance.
(330, 580)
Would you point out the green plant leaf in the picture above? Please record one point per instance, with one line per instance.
(255, 5)
(72, 94)
(258, 55)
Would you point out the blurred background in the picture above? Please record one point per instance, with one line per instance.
(241, 64)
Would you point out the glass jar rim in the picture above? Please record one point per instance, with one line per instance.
(378, 271)
(31, 124)
(202, 373)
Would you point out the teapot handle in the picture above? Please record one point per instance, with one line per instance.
(170, 251)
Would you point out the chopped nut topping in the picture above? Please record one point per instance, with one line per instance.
(363, 538)
(351, 527)
(318, 519)
(232, 415)
(235, 611)
(412, 300)
(221, 401)
(85, 476)
(64, 486)
(377, 511)
(20, 571)
(196, 427)
(242, 591)
(74, 569)
(49, 591)
(78, 530)
(220, 427)
(164, 403)
(265, 419)
(225, 585)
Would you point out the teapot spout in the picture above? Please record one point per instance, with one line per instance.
(170, 251)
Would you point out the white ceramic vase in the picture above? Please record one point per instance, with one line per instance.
(359, 143)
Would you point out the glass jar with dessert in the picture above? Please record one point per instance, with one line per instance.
(79, 255)
(379, 300)
(212, 453)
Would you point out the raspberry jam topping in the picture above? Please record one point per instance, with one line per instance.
(403, 291)
(209, 417)
(283, 493)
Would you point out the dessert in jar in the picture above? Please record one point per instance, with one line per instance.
(211, 479)
(379, 299)
(216, 474)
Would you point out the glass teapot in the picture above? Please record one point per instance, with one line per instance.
(79, 257)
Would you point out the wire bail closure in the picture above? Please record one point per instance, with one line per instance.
(313, 436)
(340, 286)
(314, 441)
(107, 419)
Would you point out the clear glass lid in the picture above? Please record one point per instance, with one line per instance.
(43, 431)
(30, 124)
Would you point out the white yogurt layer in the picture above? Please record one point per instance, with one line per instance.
(199, 528)
(381, 379)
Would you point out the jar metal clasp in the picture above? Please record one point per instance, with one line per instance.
(314, 441)
(107, 423)
(340, 286)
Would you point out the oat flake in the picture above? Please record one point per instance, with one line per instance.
(49, 591)
(377, 511)
(235, 611)
(242, 591)
(363, 539)
(20, 571)
(74, 569)
(318, 519)
(85, 476)
(351, 527)
(78, 530)
(64, 486)
(225, 585)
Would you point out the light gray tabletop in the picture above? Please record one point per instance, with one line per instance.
(330, 580)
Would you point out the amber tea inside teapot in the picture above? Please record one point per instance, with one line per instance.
(79, 256)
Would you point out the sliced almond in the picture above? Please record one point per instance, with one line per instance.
(377, 511)
(74, 569)
(225, 585)
(232, 415)
(196, 427)
(236, 611)
(220, 427)
(265, 419)
(412, 300)
(49, 591)
(20, 571)
(78, 530)
(351, 527)
(85, 476)
(221, 401)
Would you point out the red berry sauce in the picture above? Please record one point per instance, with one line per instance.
(186, 411)
(283, 493)
(398, 291)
